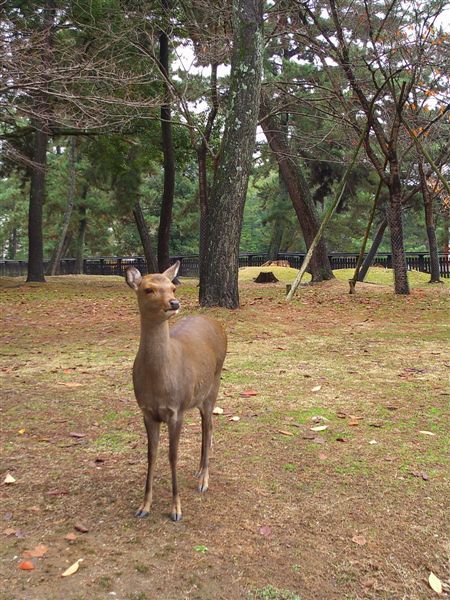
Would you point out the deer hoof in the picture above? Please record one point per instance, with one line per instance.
(141, 513)
(203, 487)
(175, 516)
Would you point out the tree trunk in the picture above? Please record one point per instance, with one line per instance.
(144, 235)
(394, 216)
(431, 230)
(298, 191)
(165, 219)
(373, 250)
(202, 153)
(219, 270)
(54, 268)
(82, 226)
(37, 195)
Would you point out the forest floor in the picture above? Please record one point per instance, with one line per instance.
(353, 511)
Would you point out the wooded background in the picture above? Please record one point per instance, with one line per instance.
(129, 128)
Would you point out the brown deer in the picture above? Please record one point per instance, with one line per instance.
(175, 369)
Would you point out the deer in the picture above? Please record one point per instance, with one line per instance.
(176, 368)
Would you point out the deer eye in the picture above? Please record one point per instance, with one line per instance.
(149, 291)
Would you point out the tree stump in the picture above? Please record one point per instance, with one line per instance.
(267, 277)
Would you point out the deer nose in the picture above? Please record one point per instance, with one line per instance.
(174, 304)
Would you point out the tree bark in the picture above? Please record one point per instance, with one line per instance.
(82, 226)
(373, 250)
(37, 195)
(394, 217)
(144, 235)
(202, 154)
(165, 219)
(298, 191)
(435, 274)
(219, 270)
(54, 268)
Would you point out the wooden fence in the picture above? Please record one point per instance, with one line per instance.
(115, 265)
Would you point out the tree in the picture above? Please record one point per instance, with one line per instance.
(380, 59)
(219, 272)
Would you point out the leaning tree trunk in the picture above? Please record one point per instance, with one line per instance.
(435, 272)
(54, 267)
(373, 250)
(165, 219)
(220, 265)
(298, 191)
(394, 216)
(37, 194)
(144, 235)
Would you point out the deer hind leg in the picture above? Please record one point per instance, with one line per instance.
(203, 472)
(174, 426)
(206, 413)
(152, 427)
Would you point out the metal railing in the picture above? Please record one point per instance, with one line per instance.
(116, 265)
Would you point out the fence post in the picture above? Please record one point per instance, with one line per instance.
(389, 261)
(422, 263)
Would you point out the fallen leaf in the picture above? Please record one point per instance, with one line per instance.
(359, 539)
(372, 442)
(81, 528)
(9, 479)
(353, 423)
(72, 569)
(57, 492)
(21, 431)
(75, 434)
(70, 537)
(319, 428)
(9, 531)
(319, 419)
(234, 419)
(26, 565)
(284, 432)
(427, 432)
(37, 552)
(341, 415)
(317, 388)
(218, 411)
(420, 474)
(248, 394)
(265, 530)
(71, 384)
(341, 439)
(435, 583)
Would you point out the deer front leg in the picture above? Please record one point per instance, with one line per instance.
(203, 472)
(174, 426)
(152, 427)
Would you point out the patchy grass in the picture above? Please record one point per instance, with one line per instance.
(285, 502)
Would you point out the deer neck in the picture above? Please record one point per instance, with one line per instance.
(154, 346)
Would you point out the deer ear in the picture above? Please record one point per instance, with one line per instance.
(133, 278)
(172, 271)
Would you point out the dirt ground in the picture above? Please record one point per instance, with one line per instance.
(353, 511)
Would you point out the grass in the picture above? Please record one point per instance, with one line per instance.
(284, 500)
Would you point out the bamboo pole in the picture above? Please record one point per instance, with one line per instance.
(326, 219)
